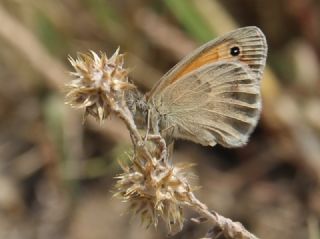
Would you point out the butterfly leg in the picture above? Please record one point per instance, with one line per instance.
(162, 145)
(148, 127)
(168, 132)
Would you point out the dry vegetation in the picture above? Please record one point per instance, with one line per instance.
(57, 174)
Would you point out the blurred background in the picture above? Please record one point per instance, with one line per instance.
(57, 175)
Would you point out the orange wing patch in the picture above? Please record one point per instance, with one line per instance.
(212, 55)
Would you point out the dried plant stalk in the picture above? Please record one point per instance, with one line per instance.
(152, 185)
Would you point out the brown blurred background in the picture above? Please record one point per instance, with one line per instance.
(57, 175)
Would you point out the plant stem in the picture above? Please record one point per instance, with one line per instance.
(229, 228)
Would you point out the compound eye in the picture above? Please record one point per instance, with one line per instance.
(235, 51)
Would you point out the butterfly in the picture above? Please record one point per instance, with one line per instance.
(213, 94)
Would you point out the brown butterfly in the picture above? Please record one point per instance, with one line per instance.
(213, 94)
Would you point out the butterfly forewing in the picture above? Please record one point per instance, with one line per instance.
(252, 52)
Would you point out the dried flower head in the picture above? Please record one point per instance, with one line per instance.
(98, 82)
(155, 189)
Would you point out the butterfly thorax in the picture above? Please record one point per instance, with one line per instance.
(160, 122)
(143, 110)
(138, 107)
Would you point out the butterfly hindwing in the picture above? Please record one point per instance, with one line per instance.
(219, 103)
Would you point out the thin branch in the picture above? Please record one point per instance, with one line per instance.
(229, 228)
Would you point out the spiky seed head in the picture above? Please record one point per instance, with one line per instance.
(98, 82)
(155, 190)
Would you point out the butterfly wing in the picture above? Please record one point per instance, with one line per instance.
(213, 96)
(250, 41)
(218, 103)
